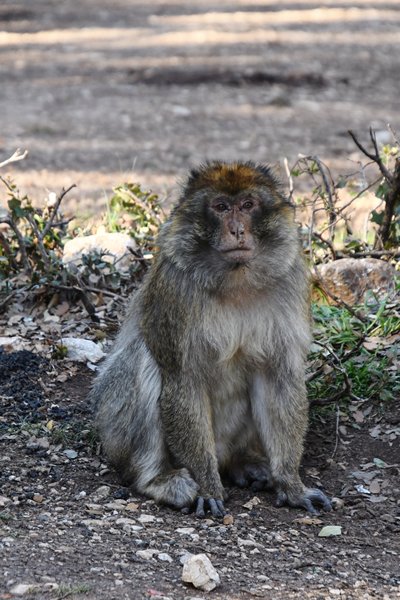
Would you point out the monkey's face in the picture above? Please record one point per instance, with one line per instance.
(230, 224)
(231, 215)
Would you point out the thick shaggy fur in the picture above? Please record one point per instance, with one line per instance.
(207, 374)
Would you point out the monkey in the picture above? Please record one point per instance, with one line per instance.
(205, 382)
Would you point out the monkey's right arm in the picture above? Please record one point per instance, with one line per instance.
(185, 413)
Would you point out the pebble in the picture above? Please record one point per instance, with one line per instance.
(71, 454)
(146, 518)
(185, 530)
(102, 492)
(199, 571)
(164, 557)
(146, 554)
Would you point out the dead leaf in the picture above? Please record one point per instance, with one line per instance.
(358, 416)
(252, 503)
(372, 343)
(308, 521)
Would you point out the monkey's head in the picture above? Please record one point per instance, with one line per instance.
(231, 216)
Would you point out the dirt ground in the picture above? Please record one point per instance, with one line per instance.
(100, 92)
(68, 528)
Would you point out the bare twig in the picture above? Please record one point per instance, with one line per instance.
(290, 178)
(327, 242)
(42, 249)
(337, 430)
(49, 223)
(18, 155)
(374, 157)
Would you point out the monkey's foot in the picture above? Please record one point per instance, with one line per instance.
(176, 488)
(255, 475)
(304, 499)
(203, 505)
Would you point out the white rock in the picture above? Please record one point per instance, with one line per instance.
(71, 454)
(185, 530)
(164, 557)
(81, 350)
(115, 245)
(146, 554)
(102, 492)
(199, 571)
(146, 519)
(20, 589)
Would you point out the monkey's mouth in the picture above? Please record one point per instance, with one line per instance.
(239, 254)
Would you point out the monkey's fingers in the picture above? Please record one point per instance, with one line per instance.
(200, 512)
(216, 507)
(305, 500)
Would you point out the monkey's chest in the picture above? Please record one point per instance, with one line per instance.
(237, 339)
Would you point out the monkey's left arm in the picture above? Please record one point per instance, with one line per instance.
(280, 409)
(187, 425)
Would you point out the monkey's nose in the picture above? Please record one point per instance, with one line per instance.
(237, 230)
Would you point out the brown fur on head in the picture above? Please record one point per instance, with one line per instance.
(231, 178)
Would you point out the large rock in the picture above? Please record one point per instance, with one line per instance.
(116, 245)
(349, 279)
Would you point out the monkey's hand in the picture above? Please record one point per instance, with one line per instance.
(304, 498)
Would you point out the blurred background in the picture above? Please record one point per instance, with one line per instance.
(102, 92)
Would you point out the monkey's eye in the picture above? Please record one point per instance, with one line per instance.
(221, 207)
(248, 204)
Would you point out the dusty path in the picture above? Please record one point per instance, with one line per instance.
(103, 91)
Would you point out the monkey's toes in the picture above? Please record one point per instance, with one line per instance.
(216, 507)
(306, 500)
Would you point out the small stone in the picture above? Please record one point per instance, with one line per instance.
(185, 530)
(146, 519)
(337, 503)
(102, 492)
(199, 571)
(132, 506)
(71, 454)
(4, 501)
(164, 557)
(146, 554)
(228, 520)
(38, 498)
(20, 589)
(81, 350)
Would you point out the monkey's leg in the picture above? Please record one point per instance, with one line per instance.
(186, 417)
(280, 410)
(127, 395)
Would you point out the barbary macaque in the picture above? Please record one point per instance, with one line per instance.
(206, 378)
